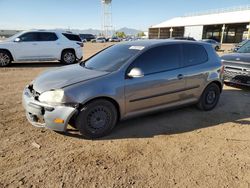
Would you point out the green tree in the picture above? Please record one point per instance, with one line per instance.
(141, 34)
(120, 34)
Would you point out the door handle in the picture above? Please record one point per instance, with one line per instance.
(180, 76)
(34, 44)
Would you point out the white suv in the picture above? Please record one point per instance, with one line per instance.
(41, 45)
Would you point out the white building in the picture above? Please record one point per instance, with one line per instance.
(225, 25)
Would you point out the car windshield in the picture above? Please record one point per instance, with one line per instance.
(243, 42)
(245, 48)
(112, 58)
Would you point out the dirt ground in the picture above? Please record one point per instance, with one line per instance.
(179, 148)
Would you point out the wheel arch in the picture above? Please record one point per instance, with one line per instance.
(6, 50)
(113, 101)
(219, 84)
(68, 49)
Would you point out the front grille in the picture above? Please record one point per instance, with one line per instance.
(234, 68)
(237, 77)
(230, 74)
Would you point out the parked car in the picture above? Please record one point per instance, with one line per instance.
(237, 46)
(216, 45)
(237, 66)
(41, 45)
(114, 39)
(87, 37)
(99, 40)
(183, 38)
(123, 81)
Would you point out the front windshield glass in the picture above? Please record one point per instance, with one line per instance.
(112, 58)
(243, 42)
(245, 48)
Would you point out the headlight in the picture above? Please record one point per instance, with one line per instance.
(55, 96)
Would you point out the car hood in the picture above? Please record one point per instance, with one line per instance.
(237, 57)
(6, 42)
(65, 76)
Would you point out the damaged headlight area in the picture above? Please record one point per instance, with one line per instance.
(54, 96)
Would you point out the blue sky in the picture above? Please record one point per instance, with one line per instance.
(85, 14)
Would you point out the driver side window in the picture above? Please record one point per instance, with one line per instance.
(159, 59)
(29, 37)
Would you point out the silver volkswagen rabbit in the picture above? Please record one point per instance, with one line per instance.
(122, 81)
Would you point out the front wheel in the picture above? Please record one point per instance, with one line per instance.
(68, 57)
(209, 97)
(5, 58)
(96, 119)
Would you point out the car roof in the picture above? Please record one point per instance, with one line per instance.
(155, 42)
(49, 30)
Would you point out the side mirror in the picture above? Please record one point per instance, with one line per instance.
(135, 73)
(17, 40)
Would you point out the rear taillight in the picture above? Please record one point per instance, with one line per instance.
(80, 44)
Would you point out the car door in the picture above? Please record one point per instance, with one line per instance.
(49, 46)
(195, 69)
(162, 82)
(27, 47)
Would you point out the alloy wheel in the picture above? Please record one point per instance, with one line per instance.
(4, 59)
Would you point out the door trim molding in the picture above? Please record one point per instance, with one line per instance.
(166, 93)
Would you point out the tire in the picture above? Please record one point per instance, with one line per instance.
(217, 48)
(96, 119)
(68, 57)
(209, 97)
(5, 58)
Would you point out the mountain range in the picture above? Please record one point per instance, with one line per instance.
(127, 31)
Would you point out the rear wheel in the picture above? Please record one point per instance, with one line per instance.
(68, 57)
(96, 119)
(209, 97)
(5, 58)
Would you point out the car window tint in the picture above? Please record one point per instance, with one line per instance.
(72, 37)
(111, 59)
(245, 48)
(29, 37)
(46, 36)
(194, 54)
(86, 36)
(158, 59)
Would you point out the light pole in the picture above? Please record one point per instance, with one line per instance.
(159, 33)
(222, 33)
(171, 32)
(248, 35)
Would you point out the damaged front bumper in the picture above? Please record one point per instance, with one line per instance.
(44, 115)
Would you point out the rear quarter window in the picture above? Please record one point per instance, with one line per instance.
(72, 37)
(194, 54)
(47, 36)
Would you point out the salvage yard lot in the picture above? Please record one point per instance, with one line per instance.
(183, 148)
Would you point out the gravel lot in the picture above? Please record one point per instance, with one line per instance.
(181, 148)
